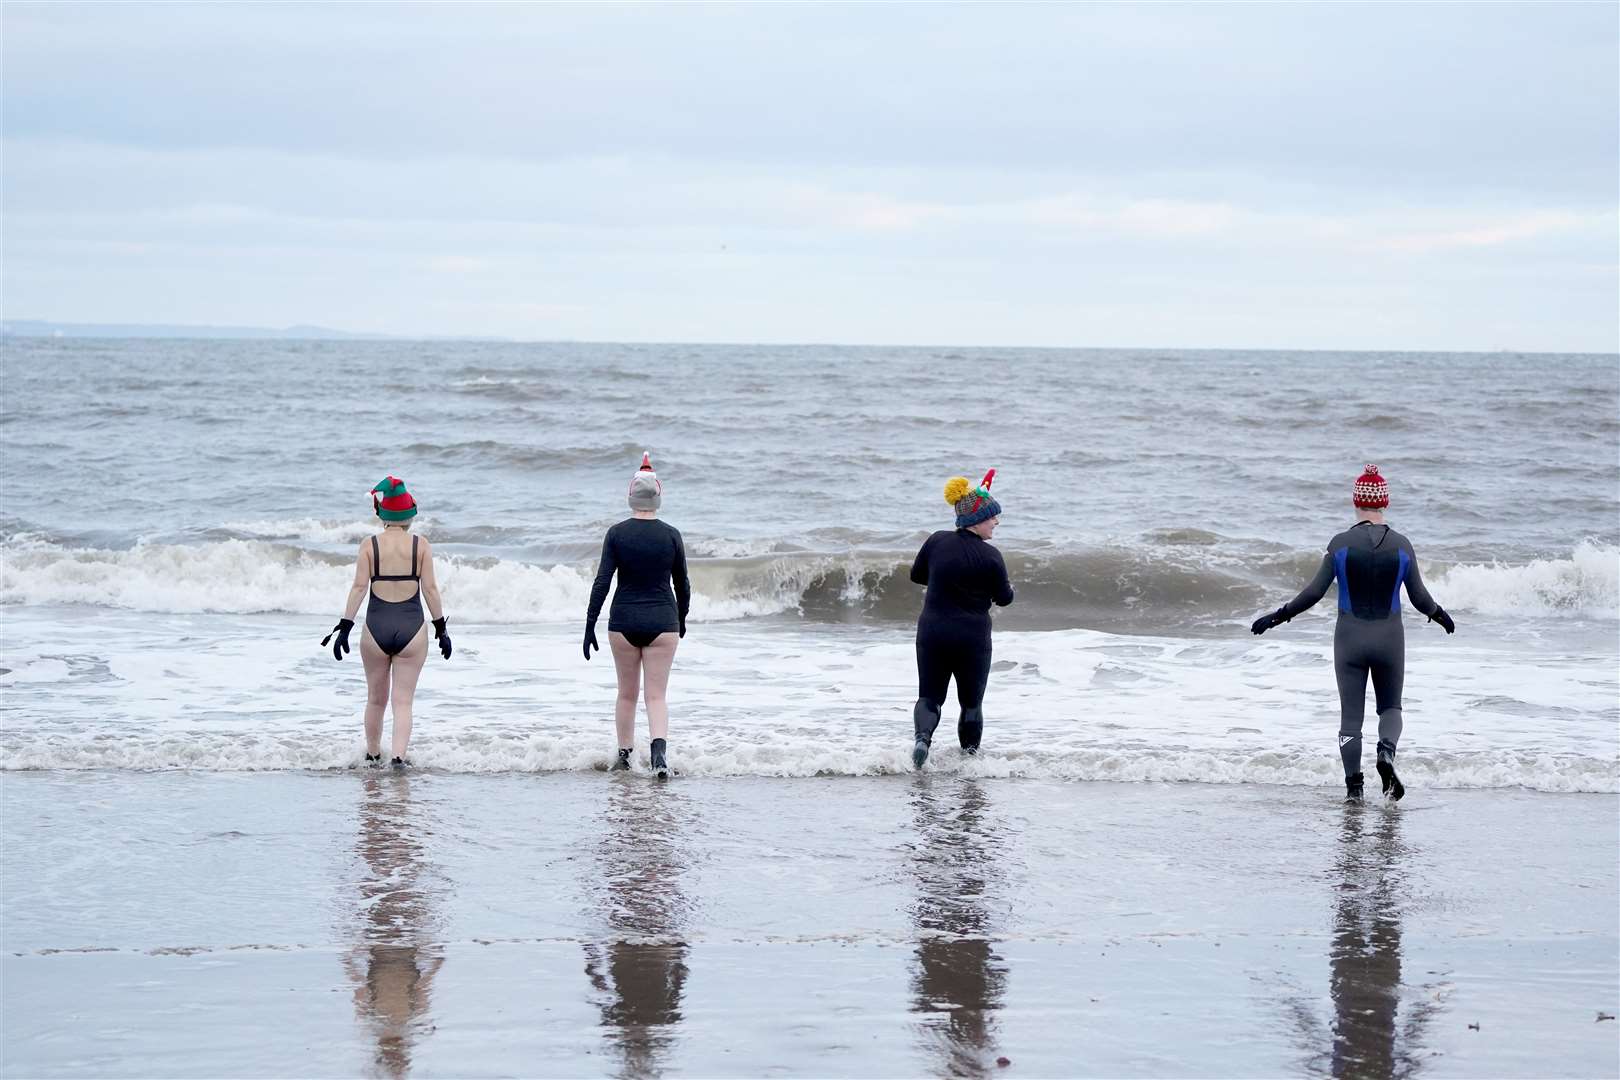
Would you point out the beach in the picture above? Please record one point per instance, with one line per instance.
(362, 923)
(1148, 871)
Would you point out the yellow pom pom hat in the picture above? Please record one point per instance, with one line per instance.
(972, 504)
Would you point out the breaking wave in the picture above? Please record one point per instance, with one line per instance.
(1101, 588)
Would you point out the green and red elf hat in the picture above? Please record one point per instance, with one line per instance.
(972, 504)
(395, 503)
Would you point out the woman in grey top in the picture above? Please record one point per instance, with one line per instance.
(1371, 562)
(648, 617)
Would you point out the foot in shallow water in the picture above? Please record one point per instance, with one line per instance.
(399, 764)
(919, 753)
(622, 762)
(660, 767)
(374, 761)
(1352, 788)
(1393, 788)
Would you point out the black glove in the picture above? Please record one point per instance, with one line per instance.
(1443, 619)
(341, 645)
(683, 626)
(590, 640)
(1266, 622)
(442, 636)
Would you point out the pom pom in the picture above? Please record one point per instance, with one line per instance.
(1371, 470)
(955, 488)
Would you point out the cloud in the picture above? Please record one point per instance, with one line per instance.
(1493, 232)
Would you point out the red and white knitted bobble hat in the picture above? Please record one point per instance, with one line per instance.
(1371, 493)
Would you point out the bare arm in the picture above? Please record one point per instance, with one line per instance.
(362, 578)
(430, 583)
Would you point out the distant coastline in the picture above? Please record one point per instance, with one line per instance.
(44, 328)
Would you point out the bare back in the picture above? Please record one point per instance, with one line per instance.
(394, 549)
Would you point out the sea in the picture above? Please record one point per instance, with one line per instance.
(1148, 871)
(180, 521)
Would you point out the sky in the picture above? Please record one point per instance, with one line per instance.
(1355, 176)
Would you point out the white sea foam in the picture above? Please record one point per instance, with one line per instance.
(1586, 583)
(705, 756)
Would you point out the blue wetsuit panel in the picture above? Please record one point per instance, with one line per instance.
(1400, 577)
(1344, 579)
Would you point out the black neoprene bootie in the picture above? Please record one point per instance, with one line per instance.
(924, 719)
(969, 729)
(622, 762)
(374, 761)
(1352, 788)
(1393, 788)
(660, 767)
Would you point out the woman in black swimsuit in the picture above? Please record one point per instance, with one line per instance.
(394, 645)
(648, 618)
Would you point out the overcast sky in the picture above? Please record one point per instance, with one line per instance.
(1294, 175)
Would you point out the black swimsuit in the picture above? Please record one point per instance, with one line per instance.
(393, 624)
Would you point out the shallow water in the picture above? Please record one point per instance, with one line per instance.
(592, 925)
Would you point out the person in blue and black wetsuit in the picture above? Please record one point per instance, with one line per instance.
(1371, 562)
(964, 575)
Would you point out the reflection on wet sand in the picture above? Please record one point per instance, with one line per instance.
(638, 969)
(394, 964)
(1365, 957)
(958, 980)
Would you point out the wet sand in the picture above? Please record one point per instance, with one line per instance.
(355, 923)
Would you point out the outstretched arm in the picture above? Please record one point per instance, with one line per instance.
(1419, 595)
(1313, 592)
(1417, 592)
(1303, 602)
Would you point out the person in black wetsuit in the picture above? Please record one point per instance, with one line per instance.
(1371, 562)
(394, 645)
(964, 575)
(648, 618)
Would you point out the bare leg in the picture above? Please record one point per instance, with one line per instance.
(407, 669)
(656, 660)
(376, 662)
(627, 663)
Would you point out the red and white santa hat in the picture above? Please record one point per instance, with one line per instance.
(1371, 493)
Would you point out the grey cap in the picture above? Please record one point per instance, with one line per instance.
(646, 493)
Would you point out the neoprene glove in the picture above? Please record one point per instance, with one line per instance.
(590, 640)
(341, 645)
(442, 635)
(683, 626)
(1267, 621)
(1443, 619)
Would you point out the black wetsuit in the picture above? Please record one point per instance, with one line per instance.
(965, 574)
(648, 555)
(393, 624)
(1371, 563)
